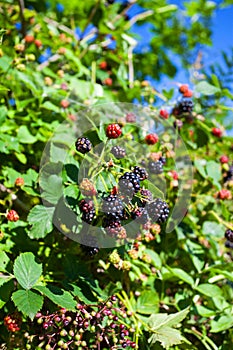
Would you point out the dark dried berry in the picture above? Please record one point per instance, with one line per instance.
(140, 172)
(89, 216)
(90, 246)
(83, 145)
(155, 167)
(162, 160)
(185, 106)
(86, 205)
(229, 235)
(129, 184)
(158, 210)
(118, 152)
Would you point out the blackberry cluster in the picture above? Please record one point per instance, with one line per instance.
(89, 245)
(156, 167)
(146, 196)
(158, 210)
(229, 235)
(140, 172)
(129, 184)
(185, 106)
(101, 326)
(141, 215)
(113, 206)
(83, 145)
(118, 152)
(87, 209)
(229, 175)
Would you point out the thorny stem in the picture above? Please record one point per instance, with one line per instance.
(21, 10)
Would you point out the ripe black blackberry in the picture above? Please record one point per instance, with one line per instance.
(185, 106)
(229, 175)
(140, 172)
(112, 205)
(158, 210)
(89, 216)
(83, 145)
(118, 152)
(146, 196)
(141, 215)
(129, 184)
(229, 244)
(155, 167)
(229, 235)
(89, 245)
(162, 160)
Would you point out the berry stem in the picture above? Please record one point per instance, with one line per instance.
(221, 220)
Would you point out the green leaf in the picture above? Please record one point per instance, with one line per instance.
(212, 228)
(28, 302)
(5, 291)
(157, 321)
(167, 336)
(222, 323)
(204, 311)
(50, 106)
(156, 261)
(209, 290)
(58, 296)
(51, 182)
(182, 275)
(206, 89)
(21, 157)
(4, 260)
(147, 302)
(200, 166)
(157, 193)
(213, 170)
(4, 279)
(24, 135)
(168, 8)
(40, 218)
(26, 270)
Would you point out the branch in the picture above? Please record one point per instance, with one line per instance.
(14, 198)
(21, 11)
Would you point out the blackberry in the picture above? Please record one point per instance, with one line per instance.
(162, 160)
(83, 145)
(112, 205)
(185, 106)
(158, 210)
(155, 167)
(140, 172)
(146, 196)
(89, 216)
(141, 215)
(229, 244)
(229, 175)
(89, 245)
(86, 205)
(229, 235)
(118, 152)
(129, 184)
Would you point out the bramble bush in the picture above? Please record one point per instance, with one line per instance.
(115, 195)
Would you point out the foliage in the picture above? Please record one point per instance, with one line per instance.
(173, 289)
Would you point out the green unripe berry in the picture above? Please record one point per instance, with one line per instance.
(63, 333)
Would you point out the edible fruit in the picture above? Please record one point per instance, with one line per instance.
(12, 215)
(229, 235)
(158, 210)
(118, 152)
(155, 167)
(83, 145)
(217, 132)
(151, 139)
(129, 184)
(140, 172)
(113, 131)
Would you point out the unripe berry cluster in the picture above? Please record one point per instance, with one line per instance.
(12, 323)
(103, 325)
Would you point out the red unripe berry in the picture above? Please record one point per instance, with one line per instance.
(217, 132)
(224, 159)
(108, 81)
(224, 194)
(151, 139)
(65, 103)
(188, 93)
(103, 65)
(38, 43)
(62, 50)
(29, 38)
(12, 215)
(183, 88)
(164, 114)
(174, 174)
(113, 131)
(19, 182)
